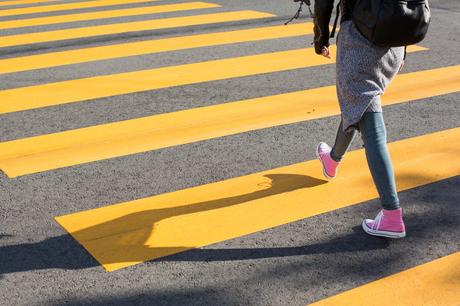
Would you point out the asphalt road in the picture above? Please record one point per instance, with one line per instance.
(293, 264)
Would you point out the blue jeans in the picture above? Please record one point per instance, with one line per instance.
(374, 136)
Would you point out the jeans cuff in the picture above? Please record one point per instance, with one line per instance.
(334, 158)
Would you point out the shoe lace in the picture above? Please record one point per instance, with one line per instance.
(378, 219)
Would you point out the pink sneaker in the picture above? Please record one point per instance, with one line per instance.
(388, 223)
(329, 165)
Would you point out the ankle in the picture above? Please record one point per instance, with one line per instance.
(393, 216)
(393, 212)
(334, 157)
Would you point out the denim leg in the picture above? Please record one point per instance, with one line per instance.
(374, 137)
(342, 142)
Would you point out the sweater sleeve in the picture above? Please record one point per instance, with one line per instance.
(323, 11)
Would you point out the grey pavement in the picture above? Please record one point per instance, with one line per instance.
(294, 264)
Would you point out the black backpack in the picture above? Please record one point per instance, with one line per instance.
(391, 23)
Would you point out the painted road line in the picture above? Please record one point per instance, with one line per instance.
(125, 234)
(68, 6)
(146, 25)
(152, 46)
(9, 24)
(19, 2)
(25, 98)
(64, 149)
(433, 283)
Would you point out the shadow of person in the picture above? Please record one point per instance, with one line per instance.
(52, 253)
(438, 216)
(351, 243)
(124, 239)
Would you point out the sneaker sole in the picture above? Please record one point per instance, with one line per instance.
(322, 164)
(386, 234)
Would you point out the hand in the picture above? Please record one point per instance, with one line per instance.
(326, 52)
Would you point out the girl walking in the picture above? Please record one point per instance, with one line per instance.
(364, 70)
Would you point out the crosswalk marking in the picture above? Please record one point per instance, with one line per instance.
(125, 234)
(67, 6)
(146, 25)
(46, 152)
(433, 283)
(9, 24)
(19, 2)
(31, 97)
(152, 46)
(129, 233)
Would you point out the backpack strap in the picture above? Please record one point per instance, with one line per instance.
(297, 15)
(337, 14)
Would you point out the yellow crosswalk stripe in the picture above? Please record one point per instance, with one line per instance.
(151, 46)
(9, 24)
(52, 151)
(146, 25)
(31, 97)
(68, 6)
(433, 283)
(18, 2)
(125, 234)
(129, 233)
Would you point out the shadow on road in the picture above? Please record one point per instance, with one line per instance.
(350, 260)
(356, 242)
(61, 252)
(55, 252)
(126, 239)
